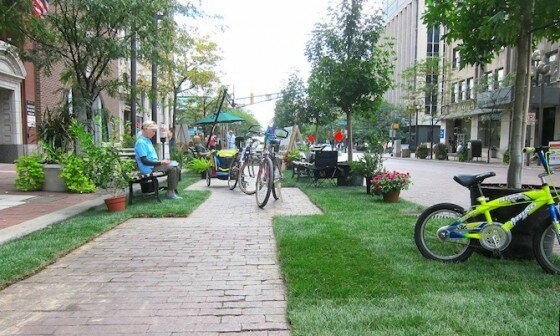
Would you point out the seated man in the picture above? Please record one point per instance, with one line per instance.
(147, 160)
(199, 149)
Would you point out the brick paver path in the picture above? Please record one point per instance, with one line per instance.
(213, 273)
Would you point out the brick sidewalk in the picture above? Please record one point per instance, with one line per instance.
(38, 204)
(212, 273)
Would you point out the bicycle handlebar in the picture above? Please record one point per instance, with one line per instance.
(532, 150)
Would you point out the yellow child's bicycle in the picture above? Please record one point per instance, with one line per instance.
(446, 232)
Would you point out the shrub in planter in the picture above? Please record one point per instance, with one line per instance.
(199, 165)
(441, 151)
(75, 172)
(422, 151)
(463, 154)
(30, 173)
(291, 156)
(370, 165)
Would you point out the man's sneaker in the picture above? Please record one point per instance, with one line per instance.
(174, 196)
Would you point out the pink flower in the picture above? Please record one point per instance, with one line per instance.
(390, 181)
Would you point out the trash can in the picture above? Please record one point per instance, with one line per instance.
(397, 148)
(493, 152)
(405, 151)
(475, 148)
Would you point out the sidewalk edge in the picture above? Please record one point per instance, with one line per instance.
(27, 227)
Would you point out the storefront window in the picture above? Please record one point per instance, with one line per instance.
(489, 129)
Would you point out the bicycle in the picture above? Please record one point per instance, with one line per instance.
(447, 233)
(269, 175)
(242, 170)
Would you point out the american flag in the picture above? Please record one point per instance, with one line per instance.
(40, 7)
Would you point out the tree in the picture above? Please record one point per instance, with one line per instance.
(421, 82)
(86, 36)
(190, 64)
(499, 24)
(350, 68)
(14, 13)
(291, 105)
(296, 107)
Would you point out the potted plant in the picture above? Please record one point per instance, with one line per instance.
(370, 165)
(390, 184)
(422, 151)
(55, 140)
(290, 156)
(52, 158)
(121, 172)
(107, 169)
(441, 151)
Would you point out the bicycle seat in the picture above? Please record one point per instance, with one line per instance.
(471, 180)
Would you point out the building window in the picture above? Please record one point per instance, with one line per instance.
(489, 81)
(500, 77)
(456, 59)
(489, 129)
(460, 89)
(454, 92)
(432, 49)
(469, 88)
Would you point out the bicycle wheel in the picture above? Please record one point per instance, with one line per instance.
(208, 176)
(546, 248)
(246, 178)
(277, 184)
(232, 173)
(427, 240)
(264, 182)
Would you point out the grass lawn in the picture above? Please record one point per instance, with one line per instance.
(353, 271)
(28, 255)
(356, 271)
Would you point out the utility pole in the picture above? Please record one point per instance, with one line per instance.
(157, 17)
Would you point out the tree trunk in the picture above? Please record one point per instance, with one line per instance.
(350, 138)
(520, 96)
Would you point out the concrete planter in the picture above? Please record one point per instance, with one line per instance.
(53, 181)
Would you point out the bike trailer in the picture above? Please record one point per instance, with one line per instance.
(223, 159)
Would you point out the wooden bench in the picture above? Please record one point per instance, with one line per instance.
(149, 183)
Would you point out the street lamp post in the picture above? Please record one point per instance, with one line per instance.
(542, 68)
(418, 106)
(157, 17)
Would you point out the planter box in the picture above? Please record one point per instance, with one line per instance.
(346, 180)
(521, 246)
(53, 181)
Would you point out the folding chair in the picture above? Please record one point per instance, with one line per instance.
(325, 167)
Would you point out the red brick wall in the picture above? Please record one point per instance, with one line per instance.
(50, 89)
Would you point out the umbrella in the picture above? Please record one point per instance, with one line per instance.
(223, 117)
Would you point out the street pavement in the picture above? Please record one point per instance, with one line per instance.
(212, 273)
(432, 181)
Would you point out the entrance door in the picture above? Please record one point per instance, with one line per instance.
(548, 125)
(7, 131)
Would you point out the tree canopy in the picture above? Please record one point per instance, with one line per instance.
(350, 67)
(86, 36)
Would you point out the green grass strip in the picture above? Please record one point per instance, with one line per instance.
(356, 271)
(28, 255)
